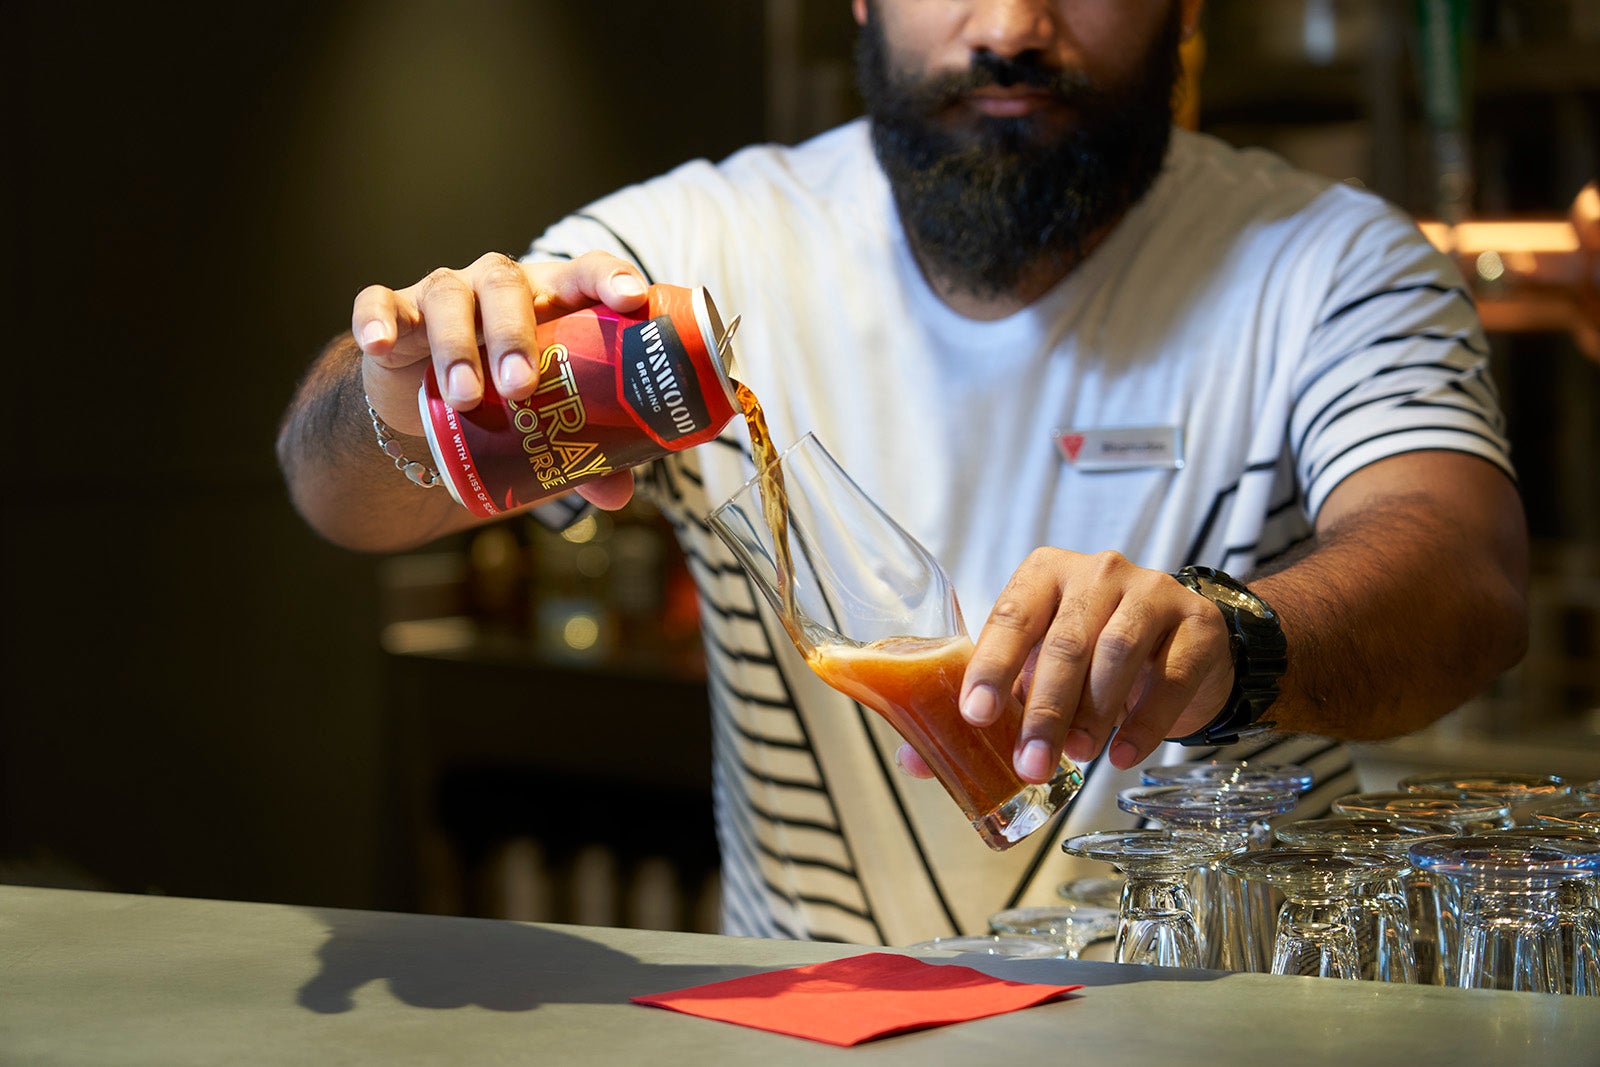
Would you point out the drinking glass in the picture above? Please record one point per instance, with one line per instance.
(1399, 933)
(1519, 791)
(1156, 917)
(1212, 774)
(1510, 931)
(1013, 945)
(1468, 814)
(876, 618)
(1233, 818)
(1317, 926)
(1568, 815)
(1101, 891)
(1073, 926)
(1230, 773)
(1577, 905)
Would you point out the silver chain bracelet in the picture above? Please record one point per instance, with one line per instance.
(419, 473)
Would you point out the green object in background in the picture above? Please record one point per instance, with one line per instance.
(1444, 33)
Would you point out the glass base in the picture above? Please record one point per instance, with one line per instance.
(1029, 808)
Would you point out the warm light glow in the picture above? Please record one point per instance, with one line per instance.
(1472, 238)
(582, 531)
(581, 632)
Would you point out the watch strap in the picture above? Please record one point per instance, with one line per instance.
(1259, 660)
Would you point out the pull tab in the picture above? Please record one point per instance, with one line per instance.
(725, 348)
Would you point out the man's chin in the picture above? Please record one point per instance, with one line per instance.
(1042, 129)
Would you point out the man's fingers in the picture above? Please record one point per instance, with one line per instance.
(609, 493)
(592, 278)
(911, 763)
(380, 320)
(1018, 621)
(1187, 680)
(1121, 651)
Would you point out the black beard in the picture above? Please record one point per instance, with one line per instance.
(985, 208)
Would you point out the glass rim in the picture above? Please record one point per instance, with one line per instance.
(1454, 803)
(1504, 855)
(754, 481)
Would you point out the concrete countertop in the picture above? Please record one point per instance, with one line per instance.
(114, 979)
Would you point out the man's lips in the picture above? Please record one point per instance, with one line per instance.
(1010, 103)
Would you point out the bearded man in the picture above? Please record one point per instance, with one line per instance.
(1074, 352)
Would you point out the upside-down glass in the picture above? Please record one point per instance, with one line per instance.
(1519, 791)
(1235, 934)
(1317, 929)
(1468, 814)
(1229, 773)
(1578, 814)
(1399, 933)
(876, 618)
(1217, 774)
(1156, 922)
(1510, 930)
(1072, 926)
(1015, 946)
(1577, 905)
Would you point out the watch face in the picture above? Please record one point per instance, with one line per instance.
(1227, 594)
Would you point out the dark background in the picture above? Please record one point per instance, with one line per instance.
(194, 698)
(191, 678)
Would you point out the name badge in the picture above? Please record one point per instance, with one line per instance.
(1120, 449)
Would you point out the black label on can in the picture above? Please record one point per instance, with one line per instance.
(659, 382)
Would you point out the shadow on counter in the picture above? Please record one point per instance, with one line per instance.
(445, 963)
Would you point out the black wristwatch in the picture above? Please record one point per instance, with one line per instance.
(1260, 656)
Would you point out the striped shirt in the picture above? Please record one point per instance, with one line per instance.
(1288, 330)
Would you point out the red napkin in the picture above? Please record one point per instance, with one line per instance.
(856, 999)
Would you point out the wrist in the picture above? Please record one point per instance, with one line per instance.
(1259, 651)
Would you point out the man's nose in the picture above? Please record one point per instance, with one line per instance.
(1010, 27)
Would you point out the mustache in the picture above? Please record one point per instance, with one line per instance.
(1028, 69)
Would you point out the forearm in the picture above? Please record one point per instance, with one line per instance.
(339, 480)
(1400, 611)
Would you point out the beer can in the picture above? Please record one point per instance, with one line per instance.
(614, 390)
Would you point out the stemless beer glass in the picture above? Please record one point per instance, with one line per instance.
(876, 618)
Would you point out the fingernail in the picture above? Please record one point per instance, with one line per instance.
(1034, 764)
(982, 706)
(627, 285)
(515, 372)
(1080, 746)
(463, 383)
(373, 332)
(1123, 755)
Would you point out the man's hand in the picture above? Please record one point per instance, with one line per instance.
(477, 320)
(1092, 645)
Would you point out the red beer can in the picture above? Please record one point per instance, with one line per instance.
(615, 390)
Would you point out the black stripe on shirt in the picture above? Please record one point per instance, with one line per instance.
(1331, 460)
(624, 245)
(1335, 364)
(762, 739)
(816, 862)
(1433, 287)
(1451, 369)
(1215, 511)
(760, 659)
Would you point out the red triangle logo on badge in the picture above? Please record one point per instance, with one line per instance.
(1071, 444)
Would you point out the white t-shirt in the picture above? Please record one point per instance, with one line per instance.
(1287, 330)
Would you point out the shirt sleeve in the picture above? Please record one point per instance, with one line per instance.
(1397, 361)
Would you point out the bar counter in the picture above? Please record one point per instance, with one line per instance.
(99, 978)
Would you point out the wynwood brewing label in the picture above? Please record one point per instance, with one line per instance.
(614, 390)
